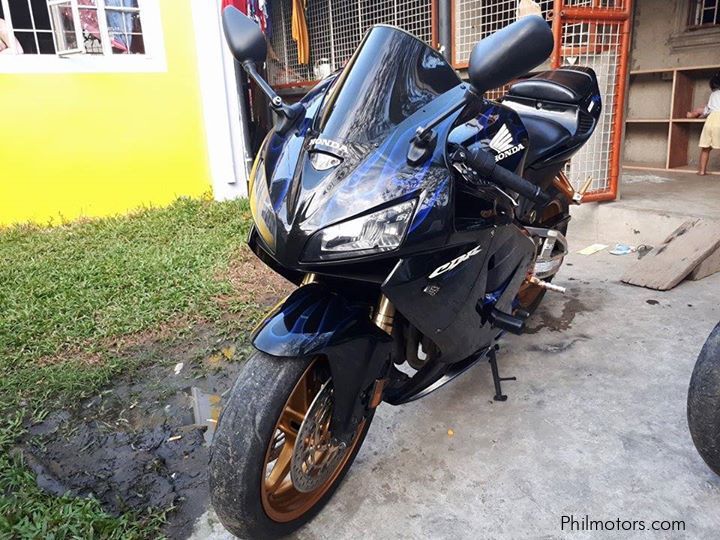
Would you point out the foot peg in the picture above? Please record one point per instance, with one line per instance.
(497, 379)
(547, 285)
(509, 323)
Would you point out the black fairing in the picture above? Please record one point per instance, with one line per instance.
(314, 320)
(364, 118)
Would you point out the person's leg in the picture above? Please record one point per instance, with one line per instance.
(704, 159)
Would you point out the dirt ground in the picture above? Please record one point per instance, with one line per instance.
(139, 444)
(143, 442)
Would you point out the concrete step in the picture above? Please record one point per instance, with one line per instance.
(649, 209)
(611, 223)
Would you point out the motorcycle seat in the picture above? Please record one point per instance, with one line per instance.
(566, 85)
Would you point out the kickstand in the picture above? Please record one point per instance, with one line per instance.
(497, 379)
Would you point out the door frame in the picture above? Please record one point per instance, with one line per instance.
(225, 119)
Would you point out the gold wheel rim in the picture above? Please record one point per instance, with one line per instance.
(529, 292)
(281, 501)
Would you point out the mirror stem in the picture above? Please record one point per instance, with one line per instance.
(275, 100)
(287, 114)
(422, 145)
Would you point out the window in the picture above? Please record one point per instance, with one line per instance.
(704, 13)
(29, 21)
(64, 27)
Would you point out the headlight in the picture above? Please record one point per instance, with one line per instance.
(375, 233)
(260, 206)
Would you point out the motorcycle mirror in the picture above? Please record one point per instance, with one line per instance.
(248, 46)
(510, 53)
(244, 37)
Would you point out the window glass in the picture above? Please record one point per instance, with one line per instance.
(54, 26)
(704, 13)
(65, 34)
(124, 26)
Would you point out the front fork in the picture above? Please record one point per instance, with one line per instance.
(383, 317)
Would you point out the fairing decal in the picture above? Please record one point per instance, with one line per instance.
(496, 129)
(453, 316)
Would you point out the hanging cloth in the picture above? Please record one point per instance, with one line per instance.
(300, 31)
(242, 5)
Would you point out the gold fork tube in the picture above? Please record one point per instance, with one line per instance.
(384, 315)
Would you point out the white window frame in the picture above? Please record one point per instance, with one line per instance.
(76, 24)
(153, 61)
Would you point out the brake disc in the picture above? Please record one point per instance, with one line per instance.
(314, 457)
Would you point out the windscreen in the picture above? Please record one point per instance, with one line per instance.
(391, 76)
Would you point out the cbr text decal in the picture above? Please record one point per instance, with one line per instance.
(455, 262)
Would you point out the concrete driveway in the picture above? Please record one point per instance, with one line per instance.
(594, 426)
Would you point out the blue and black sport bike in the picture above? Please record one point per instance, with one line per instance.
(419, 221)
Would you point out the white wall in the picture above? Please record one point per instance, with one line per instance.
(224, 124)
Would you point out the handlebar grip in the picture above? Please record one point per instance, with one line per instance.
(484, 163)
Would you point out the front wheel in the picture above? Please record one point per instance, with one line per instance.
(273, 464)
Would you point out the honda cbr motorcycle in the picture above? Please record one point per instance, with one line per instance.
(418, 219)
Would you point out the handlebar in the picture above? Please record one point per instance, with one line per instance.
(484, 164)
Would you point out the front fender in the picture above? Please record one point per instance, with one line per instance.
(315, 321)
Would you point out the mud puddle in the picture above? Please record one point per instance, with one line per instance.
(143, 443)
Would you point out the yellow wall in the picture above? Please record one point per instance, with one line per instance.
(75, 145)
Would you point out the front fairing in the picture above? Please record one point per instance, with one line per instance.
(362, 144)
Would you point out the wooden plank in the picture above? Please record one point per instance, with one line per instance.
(678, 146)
(707, 267)
(669, 154)
(682, 95)
(673, 260)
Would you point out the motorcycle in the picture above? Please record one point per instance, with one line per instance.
(419, 220)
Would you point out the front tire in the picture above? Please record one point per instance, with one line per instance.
(703, 405)
(254, 462)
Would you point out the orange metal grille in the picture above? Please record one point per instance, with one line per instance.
(596, 33)
(592, 33)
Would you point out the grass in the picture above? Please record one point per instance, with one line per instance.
(64, 292)
(67, 295)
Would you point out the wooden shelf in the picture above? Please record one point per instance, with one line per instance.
(648, 121)
(699, 69)
(651, 71)
(635, 166)
(688, 120)
(679, 84)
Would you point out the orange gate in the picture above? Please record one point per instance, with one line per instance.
(596, 33)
